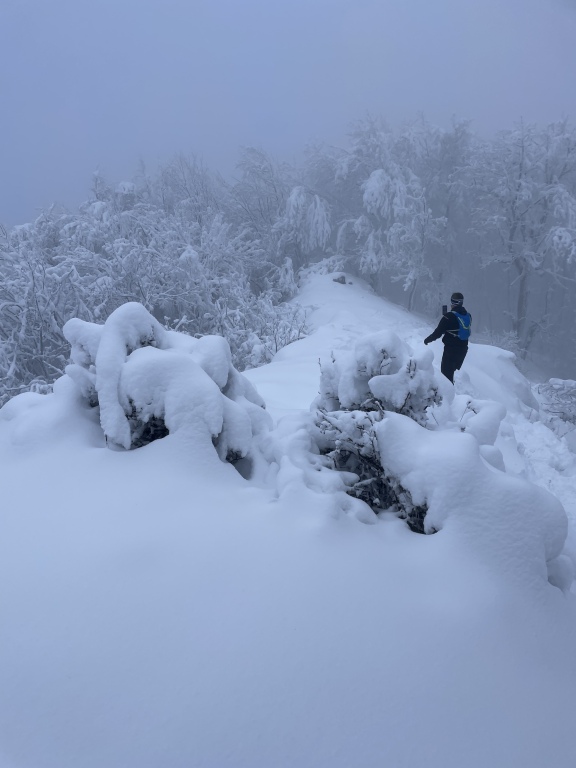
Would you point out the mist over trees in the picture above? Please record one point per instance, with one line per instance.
(418, 212)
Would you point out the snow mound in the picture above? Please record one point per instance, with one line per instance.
(518, 526)
(302, 478)
(491, 373)
(149, 382)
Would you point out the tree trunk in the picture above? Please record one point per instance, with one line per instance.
(519, 324)
(412, 295)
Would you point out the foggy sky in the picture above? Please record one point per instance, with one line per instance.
(87, 84)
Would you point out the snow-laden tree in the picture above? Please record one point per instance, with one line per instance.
(381, 375)
(259, 195)
(37, 291)
(400, 229)
(199, 273)
(304, 227)
(525, 219)
(439, 158)
(438, 210)
(255, 202)
(187, 188)
(385, 223)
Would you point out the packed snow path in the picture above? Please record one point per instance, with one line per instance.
(160, 610)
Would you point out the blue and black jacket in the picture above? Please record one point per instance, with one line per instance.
(448, 328)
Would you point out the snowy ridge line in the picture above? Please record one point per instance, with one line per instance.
(150, 382)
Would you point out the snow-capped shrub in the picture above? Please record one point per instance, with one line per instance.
(558, 401)
(349, 440)
(268, 331)
(380, 375)
(149, 382)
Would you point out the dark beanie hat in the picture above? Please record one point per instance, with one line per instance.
(456, 299)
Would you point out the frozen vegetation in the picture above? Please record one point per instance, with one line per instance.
(148, 382)
(212, 568)
(417, 212)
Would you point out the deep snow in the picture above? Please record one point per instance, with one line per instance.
(160, 610)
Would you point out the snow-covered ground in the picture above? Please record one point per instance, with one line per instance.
(159, 610)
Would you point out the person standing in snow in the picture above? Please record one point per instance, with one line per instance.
(455, 329)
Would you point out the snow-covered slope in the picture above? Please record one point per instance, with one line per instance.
(159, 610)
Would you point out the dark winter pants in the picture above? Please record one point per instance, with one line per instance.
(452, 360)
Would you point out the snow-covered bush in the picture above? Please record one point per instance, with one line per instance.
(349, 440)
(149, 382)
(292, 465)
(357, 389)
(381, 374)
(558, 401)
(266, 328)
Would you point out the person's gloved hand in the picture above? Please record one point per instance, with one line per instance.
(426, 342)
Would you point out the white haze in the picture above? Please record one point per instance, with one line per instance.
(107, 83)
